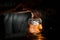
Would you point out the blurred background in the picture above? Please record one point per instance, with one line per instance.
(47, 7)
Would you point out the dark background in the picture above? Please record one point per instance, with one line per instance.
(48, 8)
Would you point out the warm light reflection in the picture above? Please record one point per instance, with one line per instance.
(36, 30)
(40, 37)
